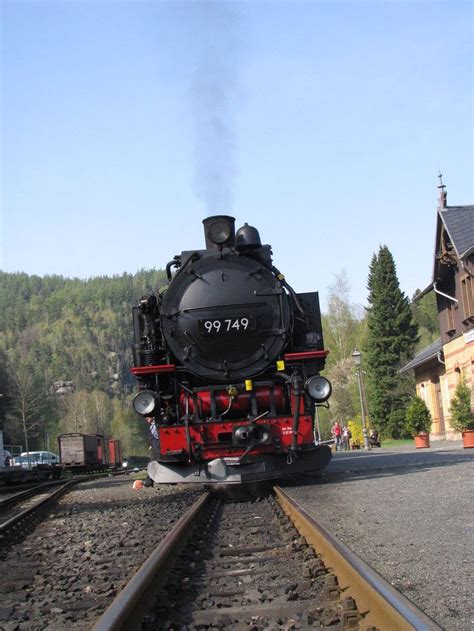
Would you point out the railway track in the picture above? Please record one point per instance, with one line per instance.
(19, 510)
(264, 563)
(16, 497)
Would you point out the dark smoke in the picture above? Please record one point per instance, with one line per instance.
(214, 93)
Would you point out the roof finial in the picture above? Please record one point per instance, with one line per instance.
(442, 191)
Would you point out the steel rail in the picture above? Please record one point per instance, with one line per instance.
(380, 604)
(16, 521)
(125, 612)
(23, 495)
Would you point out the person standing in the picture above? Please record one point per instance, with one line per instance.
(154, 437)
(336, 432)
(346, 436)
(154, 444)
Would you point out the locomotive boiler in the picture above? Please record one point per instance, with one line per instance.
(228, 360)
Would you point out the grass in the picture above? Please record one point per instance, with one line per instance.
(389, 443)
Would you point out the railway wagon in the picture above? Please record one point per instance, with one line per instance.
(83, 452)
(115, 453)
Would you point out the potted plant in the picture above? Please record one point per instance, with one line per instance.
(461, 414)
(418, 422)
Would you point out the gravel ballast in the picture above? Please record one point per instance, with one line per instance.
(66, 572)
(409, 514)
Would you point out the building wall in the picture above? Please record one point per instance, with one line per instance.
(436, 383)
(459, 362)
(427, 378)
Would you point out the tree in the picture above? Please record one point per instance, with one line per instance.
(461, 414)
(425, 314)
(28, 402)
(341, 322)
(342, 378)
(87, 412)
(418, 417)
(391, 339)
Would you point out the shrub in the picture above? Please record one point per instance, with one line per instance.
(395, 426)
(355, 428)
(418, 417)
(461, 415)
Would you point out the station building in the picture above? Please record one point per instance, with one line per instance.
(439, 367)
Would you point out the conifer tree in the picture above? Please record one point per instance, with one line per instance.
(392, 337)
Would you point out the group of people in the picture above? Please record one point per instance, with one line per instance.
(342, 436)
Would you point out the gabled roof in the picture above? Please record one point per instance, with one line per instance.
(424, 355)
(459, 224)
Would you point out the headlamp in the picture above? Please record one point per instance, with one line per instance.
(219, 232)
(144, 402)
(318, 388)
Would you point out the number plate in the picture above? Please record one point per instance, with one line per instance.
(223, 326)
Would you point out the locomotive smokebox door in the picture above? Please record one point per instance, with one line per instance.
(226, 320)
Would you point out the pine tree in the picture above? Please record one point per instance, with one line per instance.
(461, 413)
(392, 337)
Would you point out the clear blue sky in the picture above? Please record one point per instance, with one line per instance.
(324, 124)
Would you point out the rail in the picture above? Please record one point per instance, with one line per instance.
(18, 521)
(377, 603)
(386, 607)
(125, 611)
(23, 495)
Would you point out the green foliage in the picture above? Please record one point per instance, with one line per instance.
(461, 412)
(395, 426)
(355, 427)
(418, 417)
(391, 340)
(61, 329)
(341, 323)
(342, 377)
(425, 315)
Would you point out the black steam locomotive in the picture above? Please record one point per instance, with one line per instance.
(228, 360)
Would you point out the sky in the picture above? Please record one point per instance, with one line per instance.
(323, 124)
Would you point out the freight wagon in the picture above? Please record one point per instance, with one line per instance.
(89, 452)
(115, 453)
(83, 452)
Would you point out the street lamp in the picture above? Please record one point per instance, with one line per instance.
(357, 358)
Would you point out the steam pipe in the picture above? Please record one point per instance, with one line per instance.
(168, 269)
(186, 430)
(296, 384)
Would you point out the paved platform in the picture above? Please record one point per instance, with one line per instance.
(409, 513)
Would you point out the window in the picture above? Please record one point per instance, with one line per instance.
(467, 297)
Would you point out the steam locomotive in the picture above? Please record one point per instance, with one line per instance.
(227, 360)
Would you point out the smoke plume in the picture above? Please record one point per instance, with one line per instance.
(214, 95)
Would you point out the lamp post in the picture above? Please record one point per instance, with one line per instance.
(357, 358)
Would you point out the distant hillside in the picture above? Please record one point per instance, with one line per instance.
(55, 329)
(73, 329)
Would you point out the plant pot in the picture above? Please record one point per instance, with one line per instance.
(422, 441)
(468, 438)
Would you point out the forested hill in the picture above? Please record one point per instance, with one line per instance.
(72, 329)
(55, 329)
